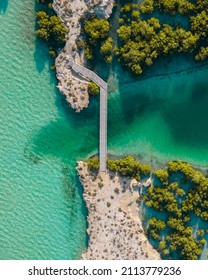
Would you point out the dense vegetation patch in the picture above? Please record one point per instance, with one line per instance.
(126, 166)
(173, 235)
(140, 42)
(93, 88)
(170, 197)
(49, 27)
(97, 36)
(143, 41)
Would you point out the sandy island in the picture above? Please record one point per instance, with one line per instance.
(73, 86)
(115, 229)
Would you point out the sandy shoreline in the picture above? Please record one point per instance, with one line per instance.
(73, 86)
(115, 229)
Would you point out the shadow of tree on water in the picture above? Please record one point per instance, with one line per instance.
(3, 6)
(41, 55)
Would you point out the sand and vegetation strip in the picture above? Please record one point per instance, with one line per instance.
(115, 229)
(177, 196)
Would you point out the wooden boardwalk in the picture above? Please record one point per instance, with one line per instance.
(103, 129)
(103, 109)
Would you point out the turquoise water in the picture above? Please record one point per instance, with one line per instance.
(161, 117)
(42, 214)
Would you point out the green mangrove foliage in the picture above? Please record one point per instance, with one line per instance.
(155, 227)
(173, 234)
(199, 24)
(126, 166)
(178, 204)
(162, 247)
(93, 163)
(141, 41)
(197, 198)
(168, 6)
(197, 12)
(162, 175)
(106, 49)
(97, 31)
(93, 88)
(50, 27)
(201, 5)
(181, 239)
(162, 199)
(202, 54)
(147, 6)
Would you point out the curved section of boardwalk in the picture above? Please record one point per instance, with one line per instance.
(103, 109)
(90, 75)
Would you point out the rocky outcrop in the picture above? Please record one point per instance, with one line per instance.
(115, 229)
(73, 86)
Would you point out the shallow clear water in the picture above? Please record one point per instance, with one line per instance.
(42, 214)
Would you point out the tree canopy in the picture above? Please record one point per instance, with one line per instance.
(142, 40)
(173, 233)
(179, 205)
(50, 27)
(93, 88)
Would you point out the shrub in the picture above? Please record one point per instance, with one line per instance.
(93, 88)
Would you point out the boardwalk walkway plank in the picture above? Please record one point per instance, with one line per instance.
(103, 109)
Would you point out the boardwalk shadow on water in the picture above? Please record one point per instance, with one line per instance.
(177, 91)
(3, 6)
(135, 100)
(41, 55)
